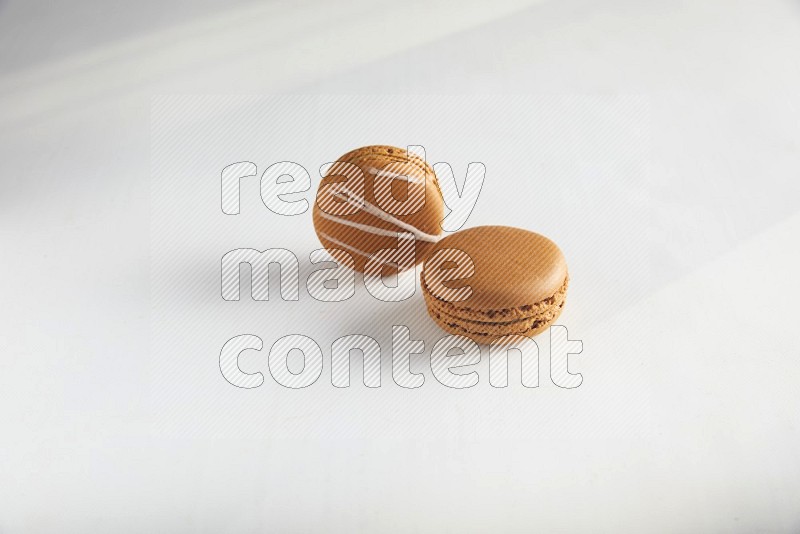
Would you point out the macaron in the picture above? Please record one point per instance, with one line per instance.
(492, 281)
(375, 198)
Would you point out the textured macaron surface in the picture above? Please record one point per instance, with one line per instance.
(518, 285)
(399, 194)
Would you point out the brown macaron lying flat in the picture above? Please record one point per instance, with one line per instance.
(492, 281)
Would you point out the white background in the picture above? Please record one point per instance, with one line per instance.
(687, 419)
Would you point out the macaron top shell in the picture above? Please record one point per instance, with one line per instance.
(513, 267)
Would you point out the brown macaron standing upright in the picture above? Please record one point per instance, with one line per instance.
(516, 283)
(372, 194)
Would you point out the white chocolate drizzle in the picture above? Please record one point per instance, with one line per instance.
(391, 174)
(354, 200)
(344, 245)
(363, 227)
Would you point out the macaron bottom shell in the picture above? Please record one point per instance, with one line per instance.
(485, 330)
